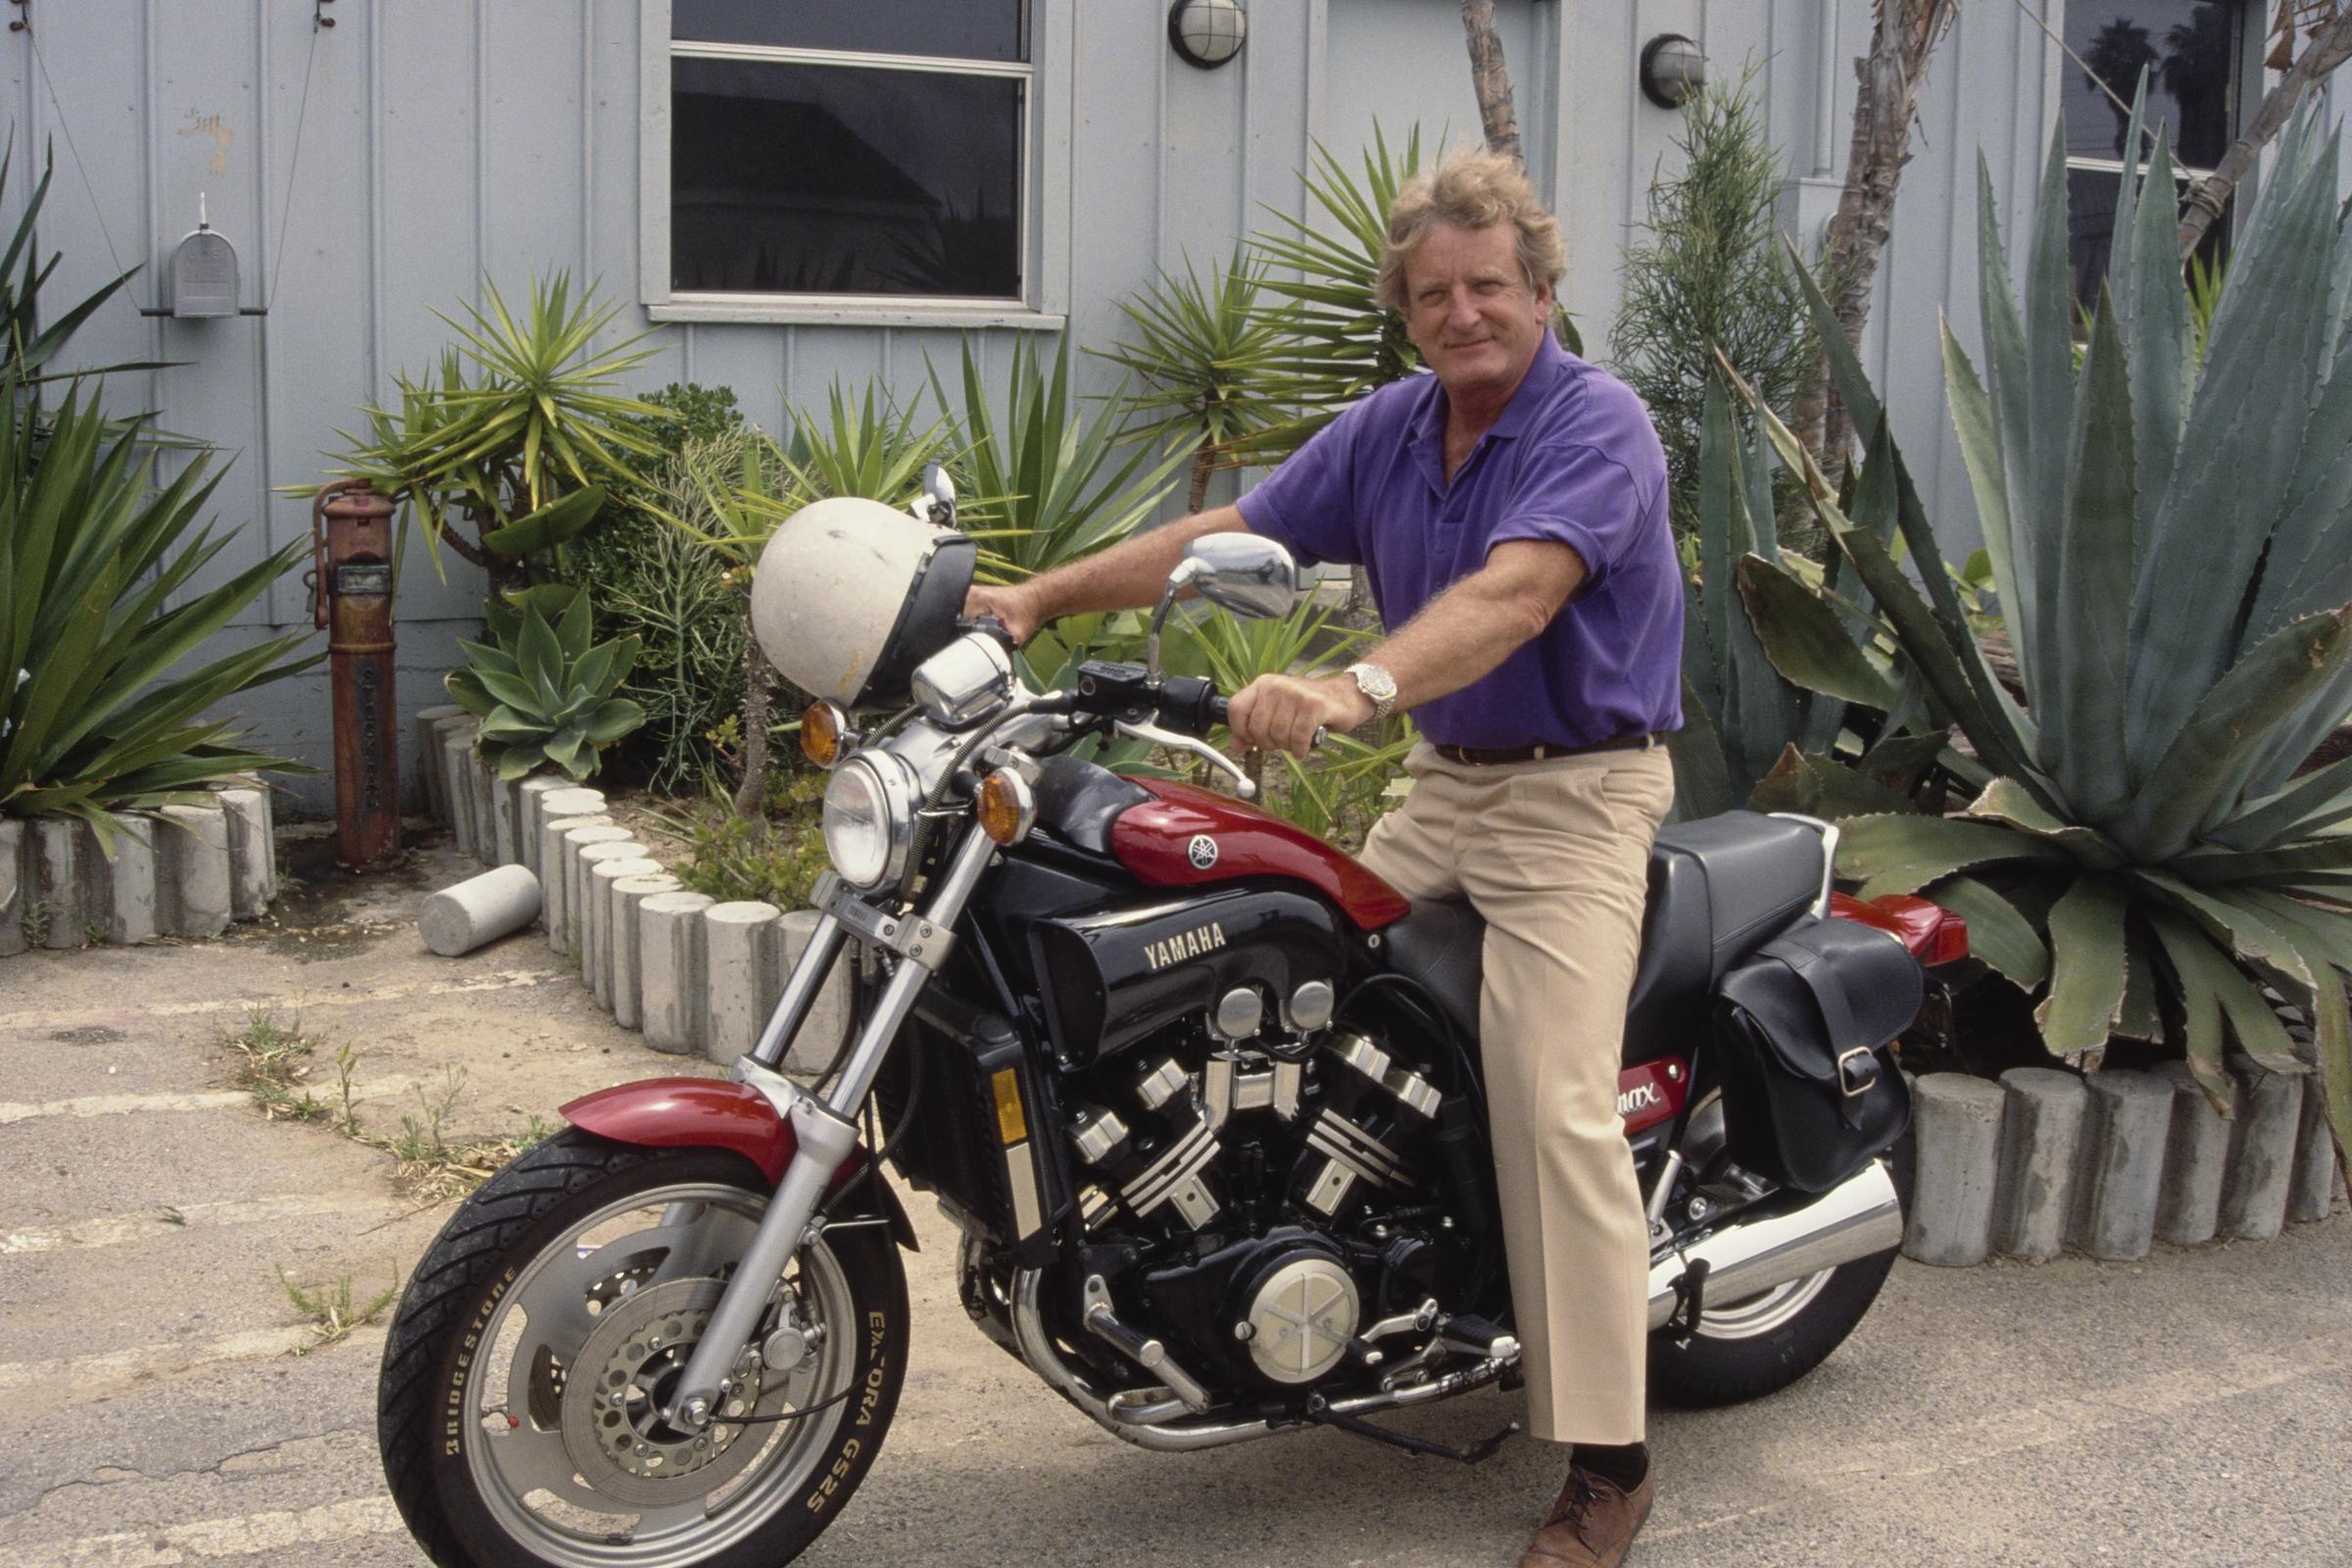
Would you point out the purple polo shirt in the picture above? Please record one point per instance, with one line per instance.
(1574, 459)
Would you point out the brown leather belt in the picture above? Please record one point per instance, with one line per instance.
(1497, 755)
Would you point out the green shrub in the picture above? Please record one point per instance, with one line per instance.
(775, 857)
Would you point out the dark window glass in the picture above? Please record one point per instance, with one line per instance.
(831, 180)
(963, 29)
(2090, 197)
(2189, 50)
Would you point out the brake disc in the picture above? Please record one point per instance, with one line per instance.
(622, 1377)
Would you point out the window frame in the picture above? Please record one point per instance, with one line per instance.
(1045, 218)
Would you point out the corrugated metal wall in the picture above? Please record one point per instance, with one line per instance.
(445, 139)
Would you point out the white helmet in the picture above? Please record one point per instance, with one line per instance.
(851, 594)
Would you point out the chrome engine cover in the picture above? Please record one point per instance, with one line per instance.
(1300, 1319)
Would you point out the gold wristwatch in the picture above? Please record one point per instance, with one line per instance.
(1379, 685)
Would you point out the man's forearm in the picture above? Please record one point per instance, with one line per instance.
(1129, 575)
(1472, 628)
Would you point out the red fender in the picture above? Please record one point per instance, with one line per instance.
(712, 1113)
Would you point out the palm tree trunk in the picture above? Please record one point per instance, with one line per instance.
(2327, 49)
(1205, 464)
(1893, 75)
(1490, 78)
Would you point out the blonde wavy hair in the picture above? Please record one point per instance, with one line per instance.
(1470, 189)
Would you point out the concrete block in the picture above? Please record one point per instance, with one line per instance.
(564, 919)
(813, 1047)
(193, 848)
(2042, 1142)
(626, 924)
(2196, 1158)
(56, 910)
(250, 852)
(2311, 1195)
(428, 757)
(270, 837)
(2123, 1164)
(131, 876)
(744, 982)
(486, 809)
(457, 778)
(479, 910)
(603, 938)
(532, 794)
(2261, 1148)
(506, 815)
(674, 968)
(582, 927)
(551, 870)
(12, 883)
(1957, 1120)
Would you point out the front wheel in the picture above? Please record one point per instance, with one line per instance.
(518, 1407)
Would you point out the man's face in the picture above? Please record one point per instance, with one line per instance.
(1470, 310)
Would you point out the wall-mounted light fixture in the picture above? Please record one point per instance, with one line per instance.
(1673, 69)
(1208, 32)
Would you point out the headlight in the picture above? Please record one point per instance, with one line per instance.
(869, 819)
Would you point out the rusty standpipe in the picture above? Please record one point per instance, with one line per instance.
(351, 594)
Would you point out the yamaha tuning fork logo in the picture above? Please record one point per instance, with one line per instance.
(1201, 852)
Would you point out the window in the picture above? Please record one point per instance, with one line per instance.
(2193, 51)
(837, 160)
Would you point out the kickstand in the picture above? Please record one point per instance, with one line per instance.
(1690, 1302)
(1319, 1412)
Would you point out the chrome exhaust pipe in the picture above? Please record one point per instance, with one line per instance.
(1853, 1220)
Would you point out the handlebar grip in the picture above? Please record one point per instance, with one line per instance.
(1217, 707)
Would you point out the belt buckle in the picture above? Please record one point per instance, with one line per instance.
(1845, 1080)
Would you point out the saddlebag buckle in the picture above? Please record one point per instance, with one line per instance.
(1856, 1084)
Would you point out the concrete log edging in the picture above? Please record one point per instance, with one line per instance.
(188, 872)
(2106, 1164)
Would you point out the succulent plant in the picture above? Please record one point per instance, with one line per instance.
(545, 696)
(2169, 539)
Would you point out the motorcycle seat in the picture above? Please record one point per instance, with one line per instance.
(1719, 889)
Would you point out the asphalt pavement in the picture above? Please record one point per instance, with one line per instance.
(2195, 1410)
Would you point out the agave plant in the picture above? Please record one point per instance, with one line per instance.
(92, 716)
(1041, 480)
(545, 696)
(1202, 351)
(2167, 537)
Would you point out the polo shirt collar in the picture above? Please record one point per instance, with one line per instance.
(1545, 373)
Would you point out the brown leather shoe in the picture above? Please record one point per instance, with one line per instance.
(1591, 1523)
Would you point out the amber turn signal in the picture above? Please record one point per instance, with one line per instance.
(1008, 807)
(822, 728)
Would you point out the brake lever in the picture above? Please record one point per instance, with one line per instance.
(1243, 784)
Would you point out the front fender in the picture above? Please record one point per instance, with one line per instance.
(712, 1113)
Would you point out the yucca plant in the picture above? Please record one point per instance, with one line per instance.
(1041, 477)
(1344, 342)
(1202, 351)
(522, 434)
(546, 696)
(92, 551)
(2168, 538)
(30, 338)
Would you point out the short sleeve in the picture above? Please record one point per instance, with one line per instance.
(1307, 505)
(1597, 496)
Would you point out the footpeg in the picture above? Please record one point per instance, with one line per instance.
(1475, 1335)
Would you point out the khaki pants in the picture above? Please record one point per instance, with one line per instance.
(1554, 855)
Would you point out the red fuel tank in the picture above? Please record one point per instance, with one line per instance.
(1188, 836)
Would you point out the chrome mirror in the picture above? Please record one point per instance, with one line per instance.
(1241, 572)
(937, 503)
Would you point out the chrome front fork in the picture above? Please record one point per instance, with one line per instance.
(824, 1130)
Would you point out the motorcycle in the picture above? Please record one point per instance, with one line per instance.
(1201, 1093)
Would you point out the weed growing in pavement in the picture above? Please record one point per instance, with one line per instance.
(35, 923)
(276, 1061)
(330, 1310)
(94, 933)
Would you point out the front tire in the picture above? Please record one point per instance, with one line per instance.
(517, 1405)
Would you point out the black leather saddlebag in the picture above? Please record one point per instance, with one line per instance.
(1811, 1092)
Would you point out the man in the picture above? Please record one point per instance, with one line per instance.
(1510, 512)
